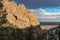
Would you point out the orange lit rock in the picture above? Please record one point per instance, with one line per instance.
(19, 16)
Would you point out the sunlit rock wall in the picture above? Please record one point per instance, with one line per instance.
(19, 16)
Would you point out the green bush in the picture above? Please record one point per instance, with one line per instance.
(9, 33)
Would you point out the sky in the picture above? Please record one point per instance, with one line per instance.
(34, 4)
(46, 10)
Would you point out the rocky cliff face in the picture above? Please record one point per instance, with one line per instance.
(18, 15)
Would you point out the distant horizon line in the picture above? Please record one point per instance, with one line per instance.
(49, 23)
(40, 21)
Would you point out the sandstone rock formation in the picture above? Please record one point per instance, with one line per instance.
(19, 16)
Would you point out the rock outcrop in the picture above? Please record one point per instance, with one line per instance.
(19, 16)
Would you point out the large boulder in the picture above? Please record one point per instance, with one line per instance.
(19, 16)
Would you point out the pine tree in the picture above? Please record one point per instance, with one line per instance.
(2, 14)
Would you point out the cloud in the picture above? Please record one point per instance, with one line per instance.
(46, 16)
